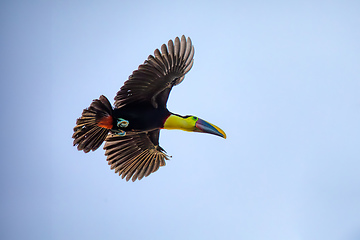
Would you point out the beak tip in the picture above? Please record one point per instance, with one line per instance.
(223, 135)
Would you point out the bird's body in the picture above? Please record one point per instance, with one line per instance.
(131, 129)
(142, 117)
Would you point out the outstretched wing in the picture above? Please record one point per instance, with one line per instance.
(158, 74)
(135, 156)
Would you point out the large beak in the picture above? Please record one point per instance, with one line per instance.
(205, 127)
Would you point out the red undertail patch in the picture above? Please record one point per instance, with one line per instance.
(106, 122)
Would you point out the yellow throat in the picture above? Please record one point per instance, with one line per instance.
(177, 122)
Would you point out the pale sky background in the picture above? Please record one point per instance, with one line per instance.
(282, 78)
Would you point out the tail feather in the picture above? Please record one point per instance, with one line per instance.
(94, 125)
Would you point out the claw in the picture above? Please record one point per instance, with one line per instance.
(122, 123)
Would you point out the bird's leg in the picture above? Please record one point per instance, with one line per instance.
(119, 132)
(122, 123)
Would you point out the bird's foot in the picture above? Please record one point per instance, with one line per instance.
(119, 132)
(122, 123)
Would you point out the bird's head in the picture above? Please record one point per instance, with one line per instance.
(192, 124)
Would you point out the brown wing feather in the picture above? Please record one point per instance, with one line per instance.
(158, 73)
(135, 156)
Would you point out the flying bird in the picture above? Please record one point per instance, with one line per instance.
(131, 129)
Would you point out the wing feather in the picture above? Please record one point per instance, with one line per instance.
(177, 51)
(182, 46)
(171, 54)
(161, 71)
(135, 156)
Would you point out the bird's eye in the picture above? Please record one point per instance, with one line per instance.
(195, 118)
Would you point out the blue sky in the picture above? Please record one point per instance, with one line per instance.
(282, 78)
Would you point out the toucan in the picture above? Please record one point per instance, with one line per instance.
(131, 128)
